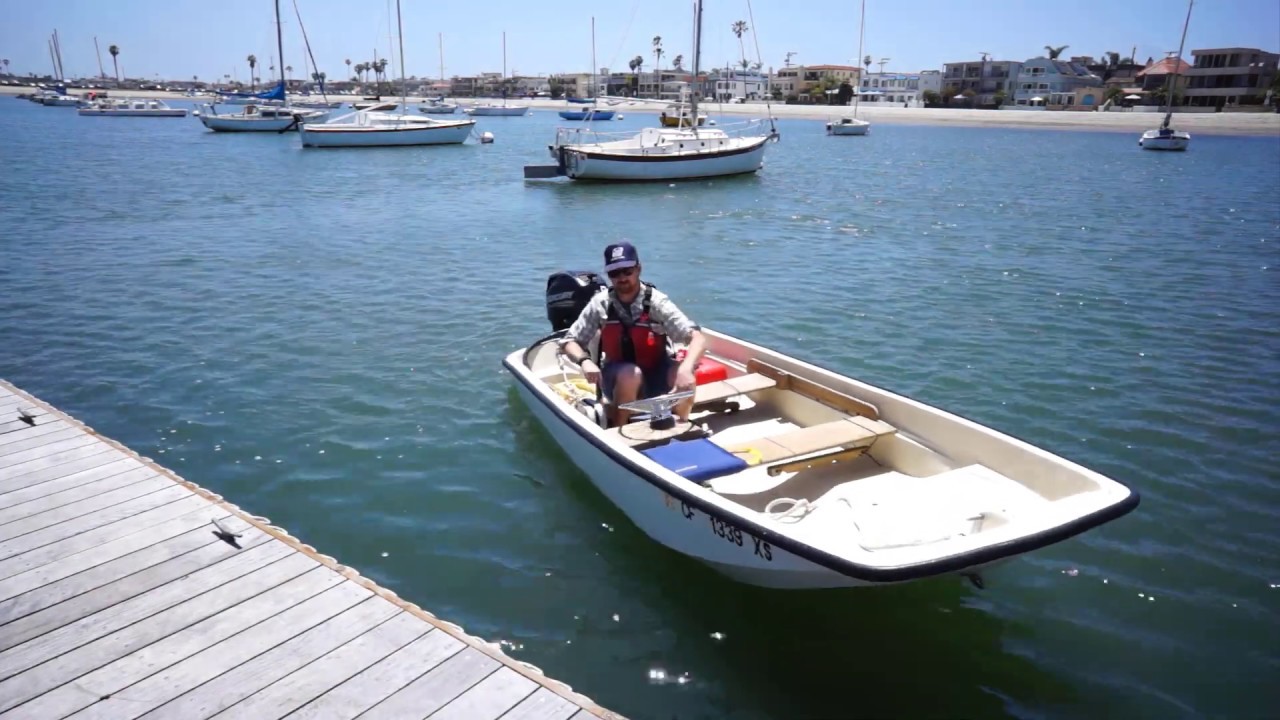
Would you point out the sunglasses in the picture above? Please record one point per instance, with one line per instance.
(622, 272)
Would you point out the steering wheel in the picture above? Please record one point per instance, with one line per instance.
(659, 408)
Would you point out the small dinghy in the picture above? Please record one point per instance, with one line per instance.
(787, 475)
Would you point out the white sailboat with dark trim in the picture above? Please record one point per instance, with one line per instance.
(268, 111)
(378, 128)
(661, 153)
(789, 475)
(1165, 137)
(496, 110)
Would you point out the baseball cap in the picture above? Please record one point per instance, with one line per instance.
(620, 255)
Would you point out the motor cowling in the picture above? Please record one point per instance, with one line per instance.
(568, 292)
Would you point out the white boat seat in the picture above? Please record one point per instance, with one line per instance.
(810, 389)
(855, 431)
(720, 390)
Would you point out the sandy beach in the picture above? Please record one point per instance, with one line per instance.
(1266, 124)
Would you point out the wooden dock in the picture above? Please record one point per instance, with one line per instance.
(129, 592)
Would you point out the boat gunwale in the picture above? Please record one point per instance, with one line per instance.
(859, 571)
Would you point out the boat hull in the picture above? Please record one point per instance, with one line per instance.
(679, 525)
(320, 136)
(724, 526)
(587, 114)
(1153, 140)
(438, 110)
(855, 128)
(97, 112)
(486, 111)
(586, 165)
(242, 124)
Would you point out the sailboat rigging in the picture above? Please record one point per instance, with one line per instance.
(594, 112)
(505, 110)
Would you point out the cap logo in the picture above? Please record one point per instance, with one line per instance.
(618, 252)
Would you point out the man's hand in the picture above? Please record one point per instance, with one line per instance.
(591, 371)
(684, 379)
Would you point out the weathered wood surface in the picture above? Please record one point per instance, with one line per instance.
(120, 598)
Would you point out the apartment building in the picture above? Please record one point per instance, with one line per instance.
(1222, 77)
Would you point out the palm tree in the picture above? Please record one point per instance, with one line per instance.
(745, 63)
(657, 52)
(287, 69)
(115, 50)
(739, 28)
(1054, 52)
(382, 70)
(678, 62)
(6, 65)
(867, 61)
(348, 61)
(253, 63)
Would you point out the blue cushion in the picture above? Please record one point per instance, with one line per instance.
(698, 460)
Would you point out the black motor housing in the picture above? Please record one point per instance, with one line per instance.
(568, 291)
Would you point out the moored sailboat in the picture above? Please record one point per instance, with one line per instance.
(379, 128)
(1165, 137)
(504, 110)
(852, 124)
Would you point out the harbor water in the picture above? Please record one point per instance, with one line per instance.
(317, 335)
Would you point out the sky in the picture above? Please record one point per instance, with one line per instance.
(178, 39)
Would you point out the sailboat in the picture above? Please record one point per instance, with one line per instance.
(379, 128)
(660, 153)
(437, 105)
(852, 124)
(504, 110)
(593, 112)
(259, 113)
(1165, 137)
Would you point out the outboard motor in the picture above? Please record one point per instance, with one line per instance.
(568, 291)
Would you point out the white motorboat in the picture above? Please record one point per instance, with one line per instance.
(852, 124)
(258, 118)
(788, 475)
(436, 106)
(52, 99)
(130, 107)
(1165, 137)
(662, 153)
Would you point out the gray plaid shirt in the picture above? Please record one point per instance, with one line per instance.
(662, 312)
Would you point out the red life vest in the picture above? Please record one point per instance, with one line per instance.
(641, 342)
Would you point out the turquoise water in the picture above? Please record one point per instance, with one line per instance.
(318, 336)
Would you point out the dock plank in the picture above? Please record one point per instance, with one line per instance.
(435, 689)
(120, 599)
(89, 616)
(76, 562)
(30, 442)
(542, 705)
(128, 473)
(34, 681)
(85, 523)
(382, 679)
(17, 457)
(54, 467)
(73, 584)
(489, 698)
(225, 656)
(147, 482)
(98, 536)
(300, 687)
(12, 431)
(129, 669)
(265, 669)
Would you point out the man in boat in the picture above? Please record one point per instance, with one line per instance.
(636, 322)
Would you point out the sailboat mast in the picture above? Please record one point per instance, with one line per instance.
(694, 92)
(504, 68)
(101, 73)
(400, 34)
(593, 61)
(862, 24)
(280, 45)
(1177, 64)
(441, 37)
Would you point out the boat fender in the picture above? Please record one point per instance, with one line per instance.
(486, 138)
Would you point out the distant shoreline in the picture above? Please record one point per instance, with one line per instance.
(1243, 124)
